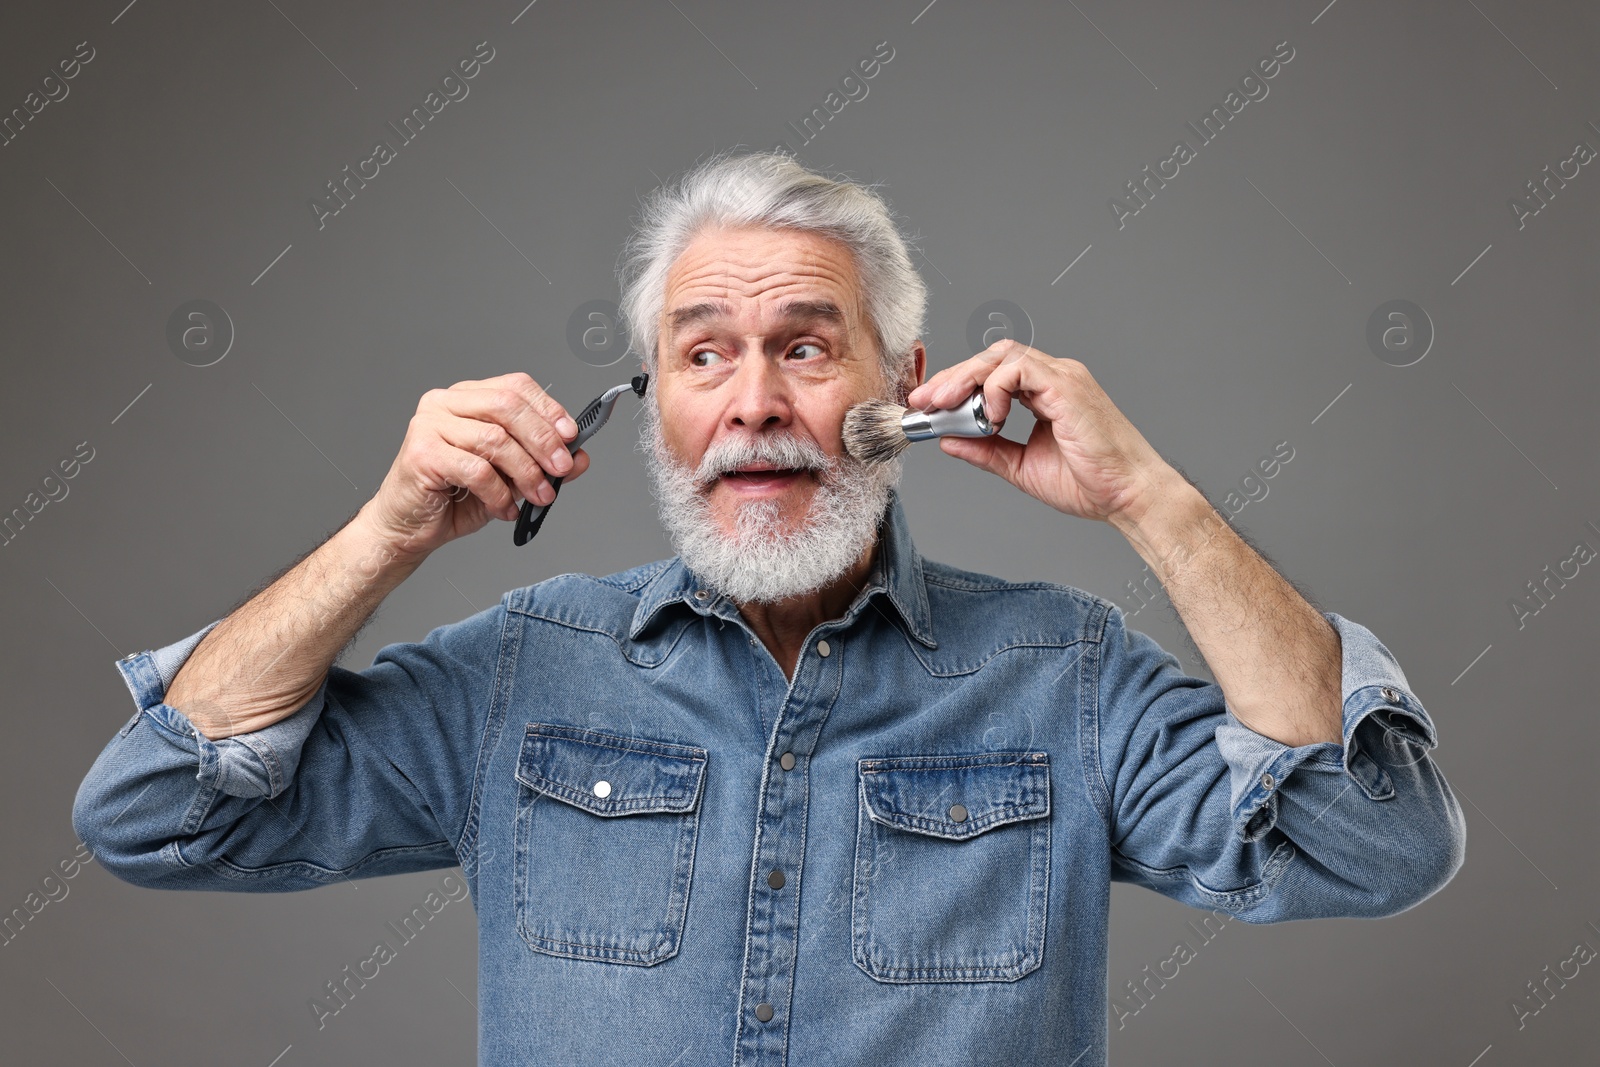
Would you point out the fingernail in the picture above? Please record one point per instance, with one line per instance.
(560, 460)
(567, 427)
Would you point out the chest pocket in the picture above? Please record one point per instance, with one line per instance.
(605, 839)
(952, 867)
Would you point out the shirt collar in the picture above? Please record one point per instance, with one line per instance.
(896, 573)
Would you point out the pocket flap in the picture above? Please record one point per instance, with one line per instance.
(956, 797)
(610, 775)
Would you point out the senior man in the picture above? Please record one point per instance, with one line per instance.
(798, 794)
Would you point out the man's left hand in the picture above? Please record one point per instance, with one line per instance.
(1083, 457)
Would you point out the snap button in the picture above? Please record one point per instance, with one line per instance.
(764, 1012)
(786, 761)
(602, 789)
(824, 649)
(776, 879)
(958, 813)
(701, 594)
(1390, 695)
(1267, 781)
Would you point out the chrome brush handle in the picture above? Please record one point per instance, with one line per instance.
(968, 420)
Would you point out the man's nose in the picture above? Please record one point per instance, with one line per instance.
(761, 397)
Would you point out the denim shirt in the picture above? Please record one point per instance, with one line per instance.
(678, 855)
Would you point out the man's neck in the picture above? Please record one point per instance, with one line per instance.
(784, 624)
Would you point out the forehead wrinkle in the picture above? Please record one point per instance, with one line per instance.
(721, 272)
(777, 304)
(795, 311)
(733, 264)
(729, 280)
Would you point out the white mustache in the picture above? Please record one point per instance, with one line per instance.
(785, 451)
(765, 560)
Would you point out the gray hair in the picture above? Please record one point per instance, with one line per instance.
(770, 189)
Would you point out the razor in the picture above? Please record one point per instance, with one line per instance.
(530, 517)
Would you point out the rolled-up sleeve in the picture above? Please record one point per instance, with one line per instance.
(372, 775)
(1210, 812)
(254, 764)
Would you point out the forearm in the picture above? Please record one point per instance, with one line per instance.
(266, 659)
(1275, 656)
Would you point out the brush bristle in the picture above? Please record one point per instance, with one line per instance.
(872, 431)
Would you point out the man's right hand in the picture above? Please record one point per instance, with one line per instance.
(472, 452)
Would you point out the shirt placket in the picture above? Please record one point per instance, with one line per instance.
(772, 932)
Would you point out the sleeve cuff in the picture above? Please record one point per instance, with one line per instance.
(1379, 712)
(259, 763)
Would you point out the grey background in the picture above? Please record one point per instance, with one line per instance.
(1226, 317)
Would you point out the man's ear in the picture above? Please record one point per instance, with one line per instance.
(914, 374)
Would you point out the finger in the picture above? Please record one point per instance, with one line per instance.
(999, 386)
(495, 443)
(951, 386)
(1022, 374)
(510, 408)
(997, 455)
(1064, 393)
(954, 384)
(580, 463)
(918, 397)
(523, 384)
(979, 372)
(456, 466)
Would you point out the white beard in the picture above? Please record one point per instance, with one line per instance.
(762, 562)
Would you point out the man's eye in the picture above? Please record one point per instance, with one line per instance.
(806, 344)
(703, 357)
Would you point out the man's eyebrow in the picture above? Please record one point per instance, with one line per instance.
(806, 310)
(790, 311)
(692, 313)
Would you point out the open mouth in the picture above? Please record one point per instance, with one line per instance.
(758, 478)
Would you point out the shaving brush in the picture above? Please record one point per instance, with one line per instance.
(876, 431)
